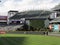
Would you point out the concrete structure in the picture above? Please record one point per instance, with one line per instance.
(56, 22)
(10, 14)
(3, 20)
(16, 18)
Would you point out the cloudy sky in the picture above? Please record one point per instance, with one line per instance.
(22, 5)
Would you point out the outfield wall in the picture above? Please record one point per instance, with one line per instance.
(27, 32)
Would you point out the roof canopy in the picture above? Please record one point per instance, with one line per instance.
(31, 15)
(57, 8)
(55, 20)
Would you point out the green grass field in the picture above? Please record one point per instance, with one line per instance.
(23, 39)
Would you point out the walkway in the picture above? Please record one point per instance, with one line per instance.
(54, 33)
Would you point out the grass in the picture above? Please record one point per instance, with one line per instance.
(23, 39)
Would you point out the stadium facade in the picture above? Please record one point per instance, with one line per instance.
(55, 23)
(14, 19)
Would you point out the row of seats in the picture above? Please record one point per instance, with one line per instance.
(10, 27)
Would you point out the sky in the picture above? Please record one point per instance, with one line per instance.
(24, 5)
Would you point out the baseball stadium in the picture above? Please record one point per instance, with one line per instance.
(30, 27)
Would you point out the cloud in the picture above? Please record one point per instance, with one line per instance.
(22, 5)
(43, 1)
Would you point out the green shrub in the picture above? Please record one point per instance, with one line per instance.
(37, 23)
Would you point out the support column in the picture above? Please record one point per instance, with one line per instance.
(28, 23)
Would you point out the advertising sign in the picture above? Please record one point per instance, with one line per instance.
(56, 27)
